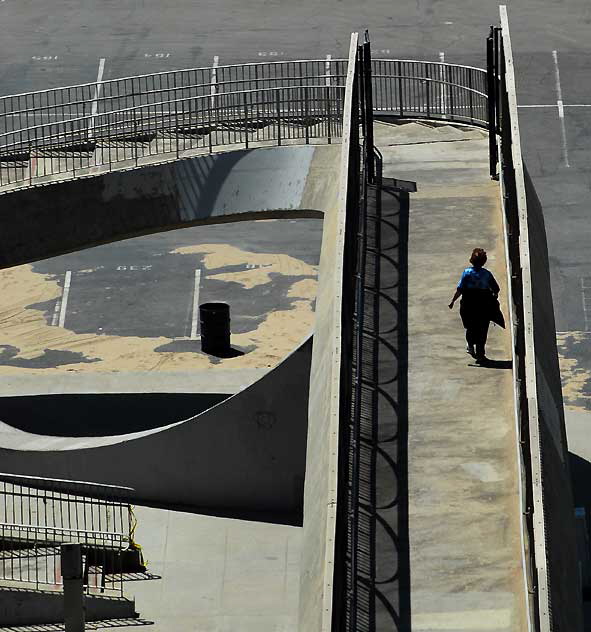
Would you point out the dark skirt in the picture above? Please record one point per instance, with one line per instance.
(478, 307)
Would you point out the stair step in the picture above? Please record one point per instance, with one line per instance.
(89, 625)
(79, 148)
(23, 156)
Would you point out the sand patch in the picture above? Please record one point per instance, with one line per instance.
(575, 377)
(306, 288)
(222, 255)
(27, 328)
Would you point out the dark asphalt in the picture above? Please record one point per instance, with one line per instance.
(60, 42)
(140, 287)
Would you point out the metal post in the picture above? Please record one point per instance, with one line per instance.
(497, 34)
(306, 115)
(278, 112)
(71, 561)
(245, 119)
(328, 115)
(492, 106)
(368, 96)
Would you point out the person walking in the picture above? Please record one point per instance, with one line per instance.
(479, 305)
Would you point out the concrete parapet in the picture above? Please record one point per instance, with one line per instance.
(549, 512)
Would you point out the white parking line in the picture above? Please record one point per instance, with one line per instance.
(97, 94)
(586, 299)
(214, 79)
(64, 304)
(560, 108)
(327, 65)
(443, 88)
(56, 312)
(555, 105)
(195, 314)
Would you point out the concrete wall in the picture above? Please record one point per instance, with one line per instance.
(49, 220)
(564, 589)
(244, 458)
(549, 491)
(317, 575)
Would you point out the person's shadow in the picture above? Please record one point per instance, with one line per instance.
(494, 364)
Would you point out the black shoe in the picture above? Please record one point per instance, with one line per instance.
(481, 359)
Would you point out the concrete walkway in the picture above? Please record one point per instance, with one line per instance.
(464, 520)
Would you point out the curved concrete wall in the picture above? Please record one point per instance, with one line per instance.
(243, 458)
(46, 221)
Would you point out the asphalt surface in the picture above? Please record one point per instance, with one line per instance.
(146, 292)
(145, 287)
(61, 43)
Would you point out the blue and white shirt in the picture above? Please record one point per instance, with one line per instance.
(478, 279)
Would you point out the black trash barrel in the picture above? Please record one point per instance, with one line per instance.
(215, 328)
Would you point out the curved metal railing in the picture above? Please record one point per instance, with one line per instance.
(128, 122)
(132, 121)
(430, 90)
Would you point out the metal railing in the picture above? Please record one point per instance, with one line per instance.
(127, 122)
(430, 90)
(87, 100)
(35, 522)
(124, 123)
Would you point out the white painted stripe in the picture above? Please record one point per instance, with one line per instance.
(584, 303)
(560, 108)
(327, 65)
(557, 75)
(214, 78)
(64, 305)
(549, 105)
(97, 94)
(442, 84)
(553, 105)
(56, 312)
(195, 314)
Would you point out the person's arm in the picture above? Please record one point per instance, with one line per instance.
(456, 296)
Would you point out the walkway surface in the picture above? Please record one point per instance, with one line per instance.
(464, 520)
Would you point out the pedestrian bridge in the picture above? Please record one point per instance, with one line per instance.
(417, 490)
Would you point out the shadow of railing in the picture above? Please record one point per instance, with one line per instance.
(378, 542)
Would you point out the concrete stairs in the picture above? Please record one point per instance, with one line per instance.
(86, 155)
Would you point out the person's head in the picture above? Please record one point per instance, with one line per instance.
(478, 258)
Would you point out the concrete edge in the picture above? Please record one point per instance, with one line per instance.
(523, 532)
(337, 340)
(539, 526)
(321, 481)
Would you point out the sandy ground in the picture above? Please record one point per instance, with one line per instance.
(26, 327)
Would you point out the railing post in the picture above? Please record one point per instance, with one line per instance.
(71, 563)
(492, 105)
(328, 115)
(449, 74)
(428, 82)
(400, 88)
(306, 114)
(135, 144)
(278, 113)
(244, 94)
(30, 164)
(368, 104)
